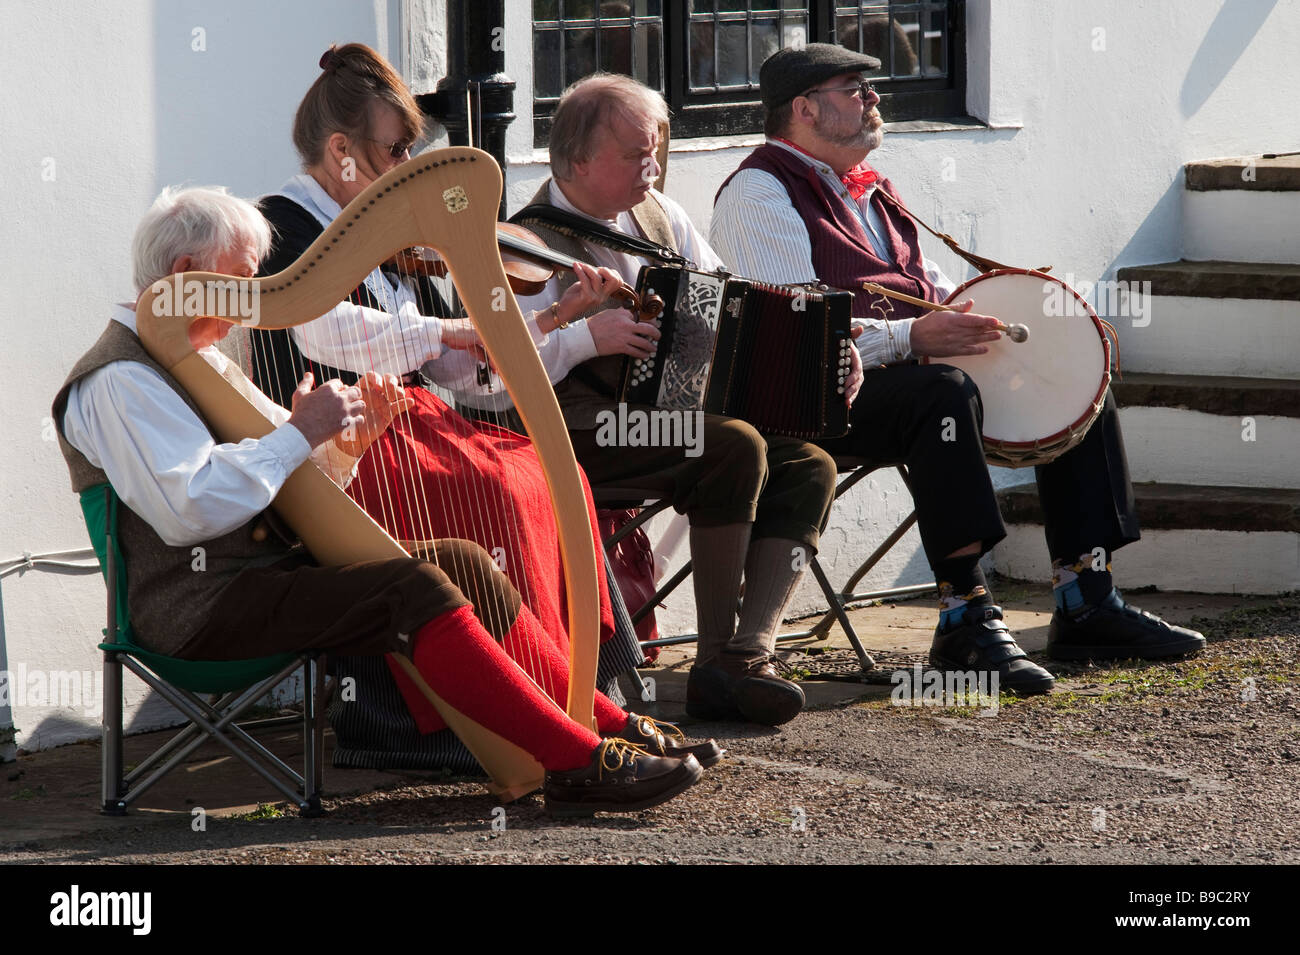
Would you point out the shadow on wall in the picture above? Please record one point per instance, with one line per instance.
(1225, 41)
(1159, 237)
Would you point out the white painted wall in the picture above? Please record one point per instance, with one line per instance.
(114, 94)
(1081, 168)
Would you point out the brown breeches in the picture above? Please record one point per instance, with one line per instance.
(783, 486)
(366, 608)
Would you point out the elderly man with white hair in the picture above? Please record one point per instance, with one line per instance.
(755, 504)
(122, 419)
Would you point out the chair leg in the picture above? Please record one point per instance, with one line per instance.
(221, 728)
(313, 694)
(847, 595)
(837, 608)
(113, 787)
(682, 573)
(217, 731)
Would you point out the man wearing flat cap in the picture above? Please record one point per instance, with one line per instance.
(806, 207)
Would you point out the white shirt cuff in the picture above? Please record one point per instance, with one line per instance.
(288, 445)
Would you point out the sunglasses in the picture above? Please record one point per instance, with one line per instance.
(861, 89)
(399, 150)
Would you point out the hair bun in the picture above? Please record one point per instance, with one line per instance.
(330, 60)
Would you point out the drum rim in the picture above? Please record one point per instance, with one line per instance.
(1094, 407)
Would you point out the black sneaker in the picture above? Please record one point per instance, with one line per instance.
(983, 643)
(1112, 630)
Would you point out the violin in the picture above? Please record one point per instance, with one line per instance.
(529, 263)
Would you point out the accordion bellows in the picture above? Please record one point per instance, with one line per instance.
(774, 356)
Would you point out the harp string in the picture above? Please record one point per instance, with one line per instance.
(401, 502)
(481, 500)
(466, 504)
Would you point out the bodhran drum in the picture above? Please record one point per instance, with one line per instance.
(1040, 396)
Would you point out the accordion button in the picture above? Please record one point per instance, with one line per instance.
(839, 390)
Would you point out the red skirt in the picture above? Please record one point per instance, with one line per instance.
(436, 474)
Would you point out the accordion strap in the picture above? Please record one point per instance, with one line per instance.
(582, 228)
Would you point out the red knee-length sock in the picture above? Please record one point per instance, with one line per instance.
(463, 664)
(532, 648)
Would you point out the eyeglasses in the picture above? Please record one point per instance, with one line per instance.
(398, 150)
(861, 89)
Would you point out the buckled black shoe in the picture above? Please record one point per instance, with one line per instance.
(665, 739)
(1112, 630)
(984, 643)
(621, 777)
(742, 686)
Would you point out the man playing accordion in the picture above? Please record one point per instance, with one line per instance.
(755, 504)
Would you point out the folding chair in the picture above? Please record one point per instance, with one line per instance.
(852, 470)
(235, 685)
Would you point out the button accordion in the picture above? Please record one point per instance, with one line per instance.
(774, 356)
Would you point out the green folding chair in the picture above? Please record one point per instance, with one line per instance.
(232, 685)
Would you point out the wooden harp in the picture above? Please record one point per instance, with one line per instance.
(446, 200)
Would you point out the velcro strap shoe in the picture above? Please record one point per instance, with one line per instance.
(1112, 630)
(983, 643)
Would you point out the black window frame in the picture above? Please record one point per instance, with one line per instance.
(739, 112)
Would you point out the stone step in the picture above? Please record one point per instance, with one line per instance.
(1243, 209)
(1207, 430)
(1212, 318)
(1202, 539)
(1270, 172)
(1212, 394)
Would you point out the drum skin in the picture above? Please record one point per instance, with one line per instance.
(1040, 396)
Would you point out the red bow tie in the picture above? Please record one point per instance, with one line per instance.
(856, 180)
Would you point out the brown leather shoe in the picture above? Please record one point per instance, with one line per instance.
(665, 739)
(742, 685)
(621, 777)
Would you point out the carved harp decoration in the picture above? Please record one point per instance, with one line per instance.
(446, 200)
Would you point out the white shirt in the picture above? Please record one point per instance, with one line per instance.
(757, 229)
(398, 339)
(395, 341)
(163, 462)
(689, 243)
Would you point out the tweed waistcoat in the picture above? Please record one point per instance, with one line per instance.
(170, 590)
(580, 400)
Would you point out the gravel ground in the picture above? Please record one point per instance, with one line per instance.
(1194, 761)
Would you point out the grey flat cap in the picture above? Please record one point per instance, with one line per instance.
(788, 73)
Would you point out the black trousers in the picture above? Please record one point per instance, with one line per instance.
(930, 418)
